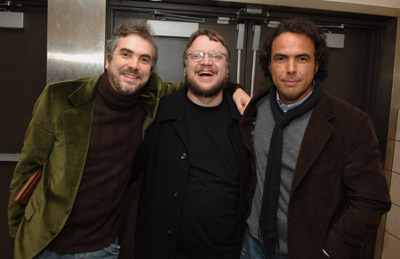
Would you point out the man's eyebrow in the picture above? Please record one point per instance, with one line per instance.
(303, 55)
(125, 49)
(280, 55)
(130, 51)
(298, 55)
(146, 55)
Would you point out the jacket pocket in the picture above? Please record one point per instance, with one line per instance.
(29, 210)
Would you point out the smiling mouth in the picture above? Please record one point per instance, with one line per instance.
(131, 76)
(205, 73)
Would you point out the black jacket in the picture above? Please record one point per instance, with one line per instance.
(166, 159)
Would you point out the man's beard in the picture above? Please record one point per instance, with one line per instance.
(210, 92)
(122, 89)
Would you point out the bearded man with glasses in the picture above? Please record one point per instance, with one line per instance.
(194, 197)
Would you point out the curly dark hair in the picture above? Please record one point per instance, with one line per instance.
(301, 26)
(132, 26)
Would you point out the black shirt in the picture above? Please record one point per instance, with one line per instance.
(210, 211)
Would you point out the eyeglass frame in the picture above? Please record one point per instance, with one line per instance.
(203, 54)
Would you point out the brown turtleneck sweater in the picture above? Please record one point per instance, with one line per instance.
(114, 139)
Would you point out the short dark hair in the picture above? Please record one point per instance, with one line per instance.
(212, 35)
(301, 26)
(132, 26)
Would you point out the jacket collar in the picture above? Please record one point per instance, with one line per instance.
(85, 92)
(316, 136)
(148, 98)
(150, 95)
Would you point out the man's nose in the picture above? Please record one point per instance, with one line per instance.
(291, 66)
(134, 62)
(206, 59)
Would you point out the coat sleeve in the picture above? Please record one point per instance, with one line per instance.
(170, 88)
(367, 189)
(38, 142)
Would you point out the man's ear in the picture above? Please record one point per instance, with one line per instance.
(316, 68)
(107, 63)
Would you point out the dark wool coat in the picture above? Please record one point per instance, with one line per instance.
(166, 156)
(339, 191)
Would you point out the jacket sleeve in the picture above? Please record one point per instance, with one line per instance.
(38, 143)
(368, 192)
(170, 88)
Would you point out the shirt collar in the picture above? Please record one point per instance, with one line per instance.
(288, 107)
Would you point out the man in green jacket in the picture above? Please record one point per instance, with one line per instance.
(84, 134)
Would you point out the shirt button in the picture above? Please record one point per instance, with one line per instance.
(53, 232)
(176, 194)
(183, 156)
(169, 231)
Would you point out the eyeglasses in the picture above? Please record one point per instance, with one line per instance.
(197, 56)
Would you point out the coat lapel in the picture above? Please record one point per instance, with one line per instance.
(178, 110)
(175, 112)
(149, 99)
(316, 136)
(78, 122)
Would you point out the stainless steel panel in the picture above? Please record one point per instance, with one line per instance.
(76, 38)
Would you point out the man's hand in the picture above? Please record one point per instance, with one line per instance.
(241, 98)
